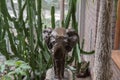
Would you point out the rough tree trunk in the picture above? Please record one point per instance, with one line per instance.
(117, 30)
(103, 43)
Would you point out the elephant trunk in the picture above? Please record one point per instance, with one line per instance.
(59, 61)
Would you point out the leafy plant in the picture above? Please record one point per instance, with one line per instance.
(14, 69)
(23, 32)
(77, 51)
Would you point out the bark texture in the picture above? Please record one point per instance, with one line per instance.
(102, 69)
(117, 30)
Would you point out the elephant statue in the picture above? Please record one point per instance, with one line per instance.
(60, 42)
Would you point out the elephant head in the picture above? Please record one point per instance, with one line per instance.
(60, 41)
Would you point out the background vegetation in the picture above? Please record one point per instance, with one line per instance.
(21, 39)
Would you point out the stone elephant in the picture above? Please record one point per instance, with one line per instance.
(59, 41)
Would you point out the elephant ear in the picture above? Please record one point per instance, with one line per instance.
(73, 38)
(46, 35)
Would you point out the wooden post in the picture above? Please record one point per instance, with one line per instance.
(117, 29)
(61, 12)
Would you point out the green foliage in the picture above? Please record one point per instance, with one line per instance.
(2, 68)
(23, 32)
(6, 77)
(14, 68)
(68, 17)
(77, 51)
(53, 17)
(25, 36)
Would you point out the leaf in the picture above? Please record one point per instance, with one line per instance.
(49, 63)
(53, 16)
(10, 63)
(13, 8)
(25, 66)
(6, 77)
(19, 63)
(67, 20)
(78, 53)
(11, 73)
(3, 49)
(17, 70)
(21, 11)
(46, 55)
(12, 42)
(22, 72)
(2, 68)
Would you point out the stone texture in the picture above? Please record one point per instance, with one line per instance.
(67, 75)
